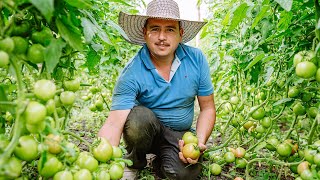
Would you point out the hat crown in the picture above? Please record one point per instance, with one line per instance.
(163, 9)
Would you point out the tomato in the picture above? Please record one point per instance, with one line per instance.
(35, 53)
(306, 175)
(50, 106)
(307, 96)
(293, 92)
(104, 151)
(67, 98)
(35, 113)
(102, 175)
(99, 104)
(229, 157)
(53, 142)
(266, 122)
(318, 75)
(303, 166)
(191, 150)
(240, 152)
(241, 163)
(71, 153)
(309, 155)
(3, 143)
(304, 56)
(215, 169)
(7, 44)
(260, 129)
(20, 45)
(72, 85)
(284, 149)
(49, 166)
(44, 89)
(248, 124)
(36, 128)
(116, 171)
(189, 137)
(306, 69)
(4, 59)
(316, 159)
(312, 112)
(27, 148)
(42, 37)
(299, 109)
(21, 29)
(82, 174)
(92, 107)
(86, 161)
(258, 114)
(12, 168)
(117, 152)
(63, 175)
(234, 100)
(228, 107)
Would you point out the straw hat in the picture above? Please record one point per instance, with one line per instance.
(162, 9)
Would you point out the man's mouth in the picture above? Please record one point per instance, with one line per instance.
(162, 44)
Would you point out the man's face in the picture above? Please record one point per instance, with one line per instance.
(162, 37)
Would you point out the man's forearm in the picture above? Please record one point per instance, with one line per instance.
(205, 124)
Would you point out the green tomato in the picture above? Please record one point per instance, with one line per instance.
(72, 85)
(36, 128)
(104, 151)
(12, 168)
(189, 137)
(241, 163)
(258, 114)
(35, 113)
(44, 89)
(316, 159)
(318, 75)
(50, 106)
(27, 148)
(299, 109)
(215, 169)
(229, 157)
(82, 174)
(63, 175)
(67, 98)
(309, 155)
(307, 175)
(293, 92)
(306, 69)
(266, 122)
(7, 44)
(116, 171)
(117, 152)
(50, 166)
(102, 175)
(312, 112)
(284, 149)
(86, 161)
(4, 59)
(20, 45)
(71, 153)
(234, 100)
(21, 29)
(42, 37)
(35, 53)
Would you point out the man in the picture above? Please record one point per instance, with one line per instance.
(153, 100)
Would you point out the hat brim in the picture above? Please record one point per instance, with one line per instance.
(133, 25)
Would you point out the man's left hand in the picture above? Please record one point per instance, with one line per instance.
(201, 146)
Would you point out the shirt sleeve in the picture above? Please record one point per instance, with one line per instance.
(124, 93)
(205, 84)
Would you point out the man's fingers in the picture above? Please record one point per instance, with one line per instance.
(182, 158)
(191, 161)
(181, 143)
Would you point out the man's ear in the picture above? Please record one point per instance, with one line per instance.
(181, 33)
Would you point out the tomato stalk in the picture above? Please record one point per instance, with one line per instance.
(317, 7)
(225, 143)
(18, 125)
(313, 128)
(294, 122)
(79, 138)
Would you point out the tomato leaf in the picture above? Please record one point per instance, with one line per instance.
(81, 4)
(238, 15)
(263, 13)
(46, 7)
(255, 60)
(53, 53)
(285, 4)
(68, 34)
(282, 101)
(121, 1)
(118, 28)
(93, 60)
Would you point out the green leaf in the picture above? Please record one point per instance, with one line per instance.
(238, 15)
(255, 60)
(81, 4)
(93, 60)
(118, 28)
(46, 7)
(267, 59)
(120, 1)
(285, 4)
(263, 13)
(69, 35)
(53, 53)
(226, 19)
(284, 100)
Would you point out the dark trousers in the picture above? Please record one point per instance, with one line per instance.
(143, 134)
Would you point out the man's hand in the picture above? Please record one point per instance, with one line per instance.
(201, 146)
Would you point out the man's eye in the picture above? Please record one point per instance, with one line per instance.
(155, 29)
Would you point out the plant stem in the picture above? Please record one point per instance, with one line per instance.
(313, 129)
(79, 138)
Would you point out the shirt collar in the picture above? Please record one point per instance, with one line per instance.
(145, 55)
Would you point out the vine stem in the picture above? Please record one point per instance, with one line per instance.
(291, 127)
(224, 144)
(79, 138)
(18, 125)
(313, 128)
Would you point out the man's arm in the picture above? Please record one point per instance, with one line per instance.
(206, 119)
(113, 127)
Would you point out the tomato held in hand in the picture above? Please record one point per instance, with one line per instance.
(191, 151)
(189, 137)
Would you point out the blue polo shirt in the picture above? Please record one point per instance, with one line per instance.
(173, 101)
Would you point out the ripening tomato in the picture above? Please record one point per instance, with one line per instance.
(116, 171)
(63, 175)
(215, 169)
(191, 150)
(284, 149)
(229, 157)
(27, 148)
(44, 89)
(240, 152)
(53, 142)
(104, 151)
(303, 166)
(238, 178)
(189, 137)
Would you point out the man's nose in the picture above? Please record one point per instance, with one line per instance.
(162, 35)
